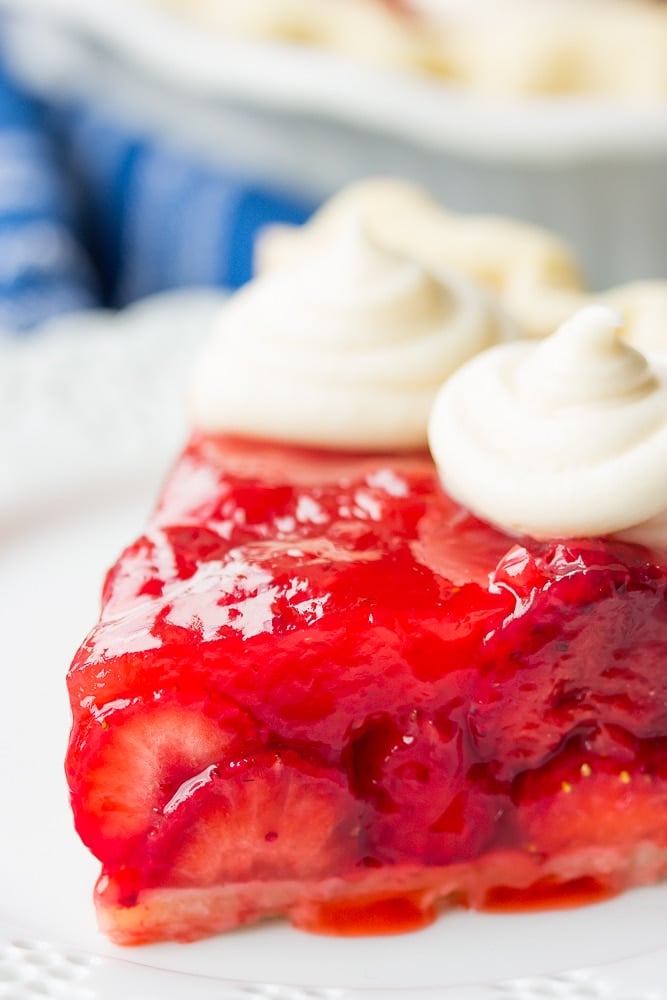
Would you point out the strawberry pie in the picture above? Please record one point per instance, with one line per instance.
(394, 637)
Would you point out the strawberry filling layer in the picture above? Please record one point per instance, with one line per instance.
(319, 687)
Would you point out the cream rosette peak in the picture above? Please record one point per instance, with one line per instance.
(531, 270)
(566, 437)
(533, 273)
(583, 363)
(346, 349)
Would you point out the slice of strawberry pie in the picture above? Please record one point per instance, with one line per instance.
(320, 686)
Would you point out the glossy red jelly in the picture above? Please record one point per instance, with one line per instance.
(320, 688)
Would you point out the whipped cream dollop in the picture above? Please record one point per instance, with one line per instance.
(644, 308)
(344, 350)
(562, 438)
(534, 273)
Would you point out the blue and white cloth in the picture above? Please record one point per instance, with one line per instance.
(94, 214)
(44, 267)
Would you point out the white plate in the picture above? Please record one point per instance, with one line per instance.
(312, 82)
(80, 493)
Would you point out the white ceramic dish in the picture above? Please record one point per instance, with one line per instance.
(60, 526)
(306, 81)
(594, 170)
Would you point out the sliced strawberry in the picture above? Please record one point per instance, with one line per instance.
(582, 800)
(414, 770)
(457, 545)
(587, 628)
(264, 491)
(137, 756)
(268, 816)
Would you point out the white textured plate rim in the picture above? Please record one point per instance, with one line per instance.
(48, 950)
(30, 966)
(308, 82)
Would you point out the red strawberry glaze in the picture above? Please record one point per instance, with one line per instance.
(319, 687)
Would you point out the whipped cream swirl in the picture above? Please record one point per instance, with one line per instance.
(345, 350)
(563, 438)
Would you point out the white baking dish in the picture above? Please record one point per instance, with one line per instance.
(593, 170)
